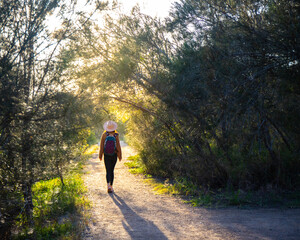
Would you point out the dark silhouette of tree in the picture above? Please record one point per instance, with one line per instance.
(42, 119)
(213, 89)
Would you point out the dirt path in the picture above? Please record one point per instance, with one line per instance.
(135, 212)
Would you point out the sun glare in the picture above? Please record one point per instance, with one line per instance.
(154, 8)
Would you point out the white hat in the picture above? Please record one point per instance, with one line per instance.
(110, 126)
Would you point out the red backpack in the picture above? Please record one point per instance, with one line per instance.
(110, 144)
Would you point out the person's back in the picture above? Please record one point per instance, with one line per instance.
(110, 147)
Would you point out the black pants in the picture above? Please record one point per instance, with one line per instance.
(110, 163)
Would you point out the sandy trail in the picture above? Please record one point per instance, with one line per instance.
(135, 212)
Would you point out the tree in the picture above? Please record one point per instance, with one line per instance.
(245, 50)
(219, 80)
(41, 117)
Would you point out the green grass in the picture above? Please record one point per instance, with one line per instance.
(199, 196)
(135, 165)
(90, 150)
(56, 209)
(59, 210)
(51, 198)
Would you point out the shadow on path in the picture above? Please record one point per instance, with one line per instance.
(136, 226)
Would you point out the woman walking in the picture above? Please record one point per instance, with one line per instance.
(111, 148)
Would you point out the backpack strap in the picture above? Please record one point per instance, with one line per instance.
(115, 134)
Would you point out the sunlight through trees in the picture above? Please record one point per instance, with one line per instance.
(209, 93)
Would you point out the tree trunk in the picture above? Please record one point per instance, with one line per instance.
(276, 163)
(27, 171)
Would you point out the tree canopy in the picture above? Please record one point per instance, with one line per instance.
(212, 90)
(44, 121)
(210, 93)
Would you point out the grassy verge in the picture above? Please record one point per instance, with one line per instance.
(135, 165)
(92, 149)
(205, 197)
(59, 209)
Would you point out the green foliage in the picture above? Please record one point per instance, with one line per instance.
(54, 205)
(205, 197)
(135, 165)
(56, 231)
(51, 198)
(90, 150)
(91, 140)
(44, 120)
(52, 231)
(222, 100)
(211, 94)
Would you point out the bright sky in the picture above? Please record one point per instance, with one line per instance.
(159, 8)
(154, 8)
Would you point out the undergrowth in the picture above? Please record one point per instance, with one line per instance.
(92, 149)
(135, 165)
(58, 208)
(206, 197)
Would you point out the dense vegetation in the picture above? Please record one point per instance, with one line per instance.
(44, 122)
(210, 93)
